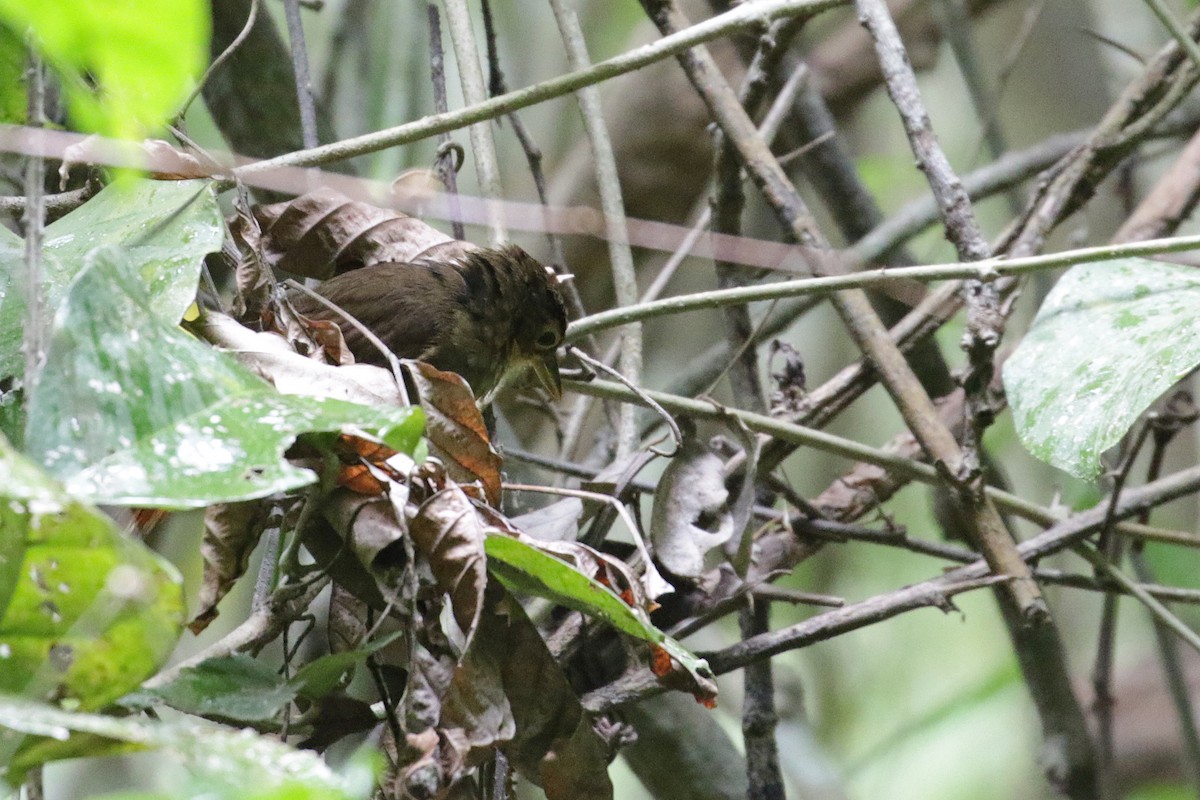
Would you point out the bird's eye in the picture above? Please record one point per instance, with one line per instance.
(548, 339)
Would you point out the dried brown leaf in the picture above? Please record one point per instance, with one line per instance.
(376, 533)
(270, 357)
(455, 429)
(556, 522)
(508, 692)
(691, 513)
(449, 531)
(320, 340)
(302, 331)
(422, 772)
(575, 766)
(554, 744)
(356, 539)
(160, 158)
(347, 621)
(231, 530)
(325, 233)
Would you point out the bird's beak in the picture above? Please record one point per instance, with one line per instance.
(546, 369)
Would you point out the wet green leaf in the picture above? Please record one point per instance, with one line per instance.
(226, 763)
(13, 97)
(236, 687)
(85, 613)
(527, 570)
(247, 690)
(131, 410)
(166, 226)
(1110, 338)
(319, 677)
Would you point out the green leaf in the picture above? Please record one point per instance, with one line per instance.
(12, 303)
(13, 102)
(1110, 338)
(527, 570)
(85, 613)
(12, 417)
(125, 67)
(227, 763)
(167, 227)
(320, 676)
(183, 426)
(247, 690)
(235, 687)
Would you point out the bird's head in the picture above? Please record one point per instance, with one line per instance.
(508, 284)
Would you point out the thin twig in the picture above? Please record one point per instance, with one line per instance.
(1177, 30)
(609, 186)
(981, 271)
(879, 245)
(1173, 670)
(936, 593)
(738, 18)
(260, 627)
(758, 712)
(533, 155)
(53, 205)
(729, 200)
(985, 317)
(225, 55)
(1102, 704)
(1178, 413)
(596, 364)
(779, 594)
(955, 22)
(483, 146)
(833, 531)
(445, 165)
(1164, 83)
(36, 327)
(1063, 535)
(1161, 613)
(848, 448)
(1168, 594)
(353, 14)
(304, 95)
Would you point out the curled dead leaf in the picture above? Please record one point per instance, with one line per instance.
(545, 733)
(450, 532)
(455, 429)
(325, 233)
(691, 513)
(160, 158)
(270, 357)
(359, 541)
(231, 531)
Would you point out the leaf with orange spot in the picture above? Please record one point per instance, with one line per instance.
(660, 661)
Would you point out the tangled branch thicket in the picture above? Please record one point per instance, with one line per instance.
(782, 200)
(943, 446)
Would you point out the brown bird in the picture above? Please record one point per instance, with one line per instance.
(487, 316)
